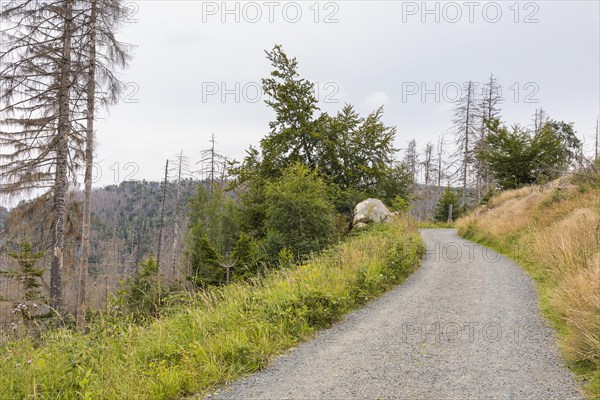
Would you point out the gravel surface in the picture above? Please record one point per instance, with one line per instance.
(465, 326)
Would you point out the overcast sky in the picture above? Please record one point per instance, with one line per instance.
(198, 65)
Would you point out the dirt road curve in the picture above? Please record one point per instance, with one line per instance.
(465, 326)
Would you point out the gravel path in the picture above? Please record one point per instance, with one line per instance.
(465, 326)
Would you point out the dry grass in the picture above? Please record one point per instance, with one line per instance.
(557, 230)
(569, 244)
(578, 299)
(507, 214)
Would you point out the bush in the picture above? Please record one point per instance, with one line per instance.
(443, 208)
(205, 261)
(28, 274)
(143, 293)
(400, 205)
(217, 216)
(299, 215)
(248, 256)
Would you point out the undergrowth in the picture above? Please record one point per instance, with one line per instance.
(213, 336)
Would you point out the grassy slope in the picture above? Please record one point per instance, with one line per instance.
(215, 336)
(555, 235)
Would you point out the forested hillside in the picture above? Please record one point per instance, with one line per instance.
(124, 230)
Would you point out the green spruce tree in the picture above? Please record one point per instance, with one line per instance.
(28, 274)
(448, 199)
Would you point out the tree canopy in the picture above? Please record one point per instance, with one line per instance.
(354, 154)
(518, 156)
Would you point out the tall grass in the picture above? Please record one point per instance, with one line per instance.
(555, 234)
(214, 336)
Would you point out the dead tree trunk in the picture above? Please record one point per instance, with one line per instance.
(176, 217)
(466, 152)
(61, 181)
(427, 163)
(89, 159)
(141, 222)
(597, 140)
(162, 215)
(440, 155)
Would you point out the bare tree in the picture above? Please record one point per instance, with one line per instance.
(490, 103)
(440, 158)
(103, 53)
(428, 163)
(489, 110)
(141, 224)
(89, 159)
(182, 170)
(464, 123)
(162, 214)
(38, 103)
(411, 159)
(597, 142)
(539, 119)
(212, 165)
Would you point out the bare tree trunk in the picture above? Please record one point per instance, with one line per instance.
(61, 182)
(141, 221)
(89, 159)
(224, 171)
(597, 139)
(162, 215)
(466, 153)
(478, 182)
(539, 119)
(428, 161)
(440, 154)
(212, 165)
(411, 160)
(176, 227)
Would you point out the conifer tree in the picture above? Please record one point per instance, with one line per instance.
(28, 274)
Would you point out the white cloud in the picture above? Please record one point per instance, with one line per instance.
(376, 100)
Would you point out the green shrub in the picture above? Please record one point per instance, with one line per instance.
(216, 215)
(299, 215)
(400, 204)
(28, 274)
(205, 261)
(142, 294)
(248, 256)
(443, 208)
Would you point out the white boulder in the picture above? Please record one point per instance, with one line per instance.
(370, 210)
